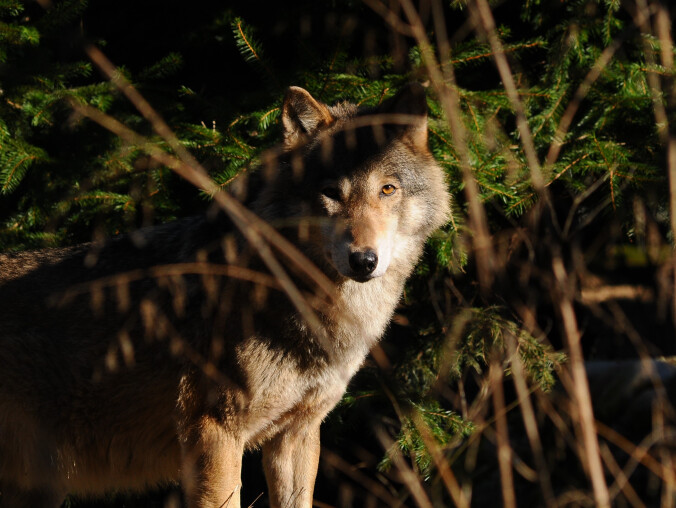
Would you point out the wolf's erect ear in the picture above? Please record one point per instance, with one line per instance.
(410, 101)
(302, 115)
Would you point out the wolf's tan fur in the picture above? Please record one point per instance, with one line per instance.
(163, 378)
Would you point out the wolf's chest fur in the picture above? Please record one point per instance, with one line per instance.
(279, 386)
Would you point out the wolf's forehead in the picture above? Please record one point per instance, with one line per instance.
(346, 149)
(361, 159)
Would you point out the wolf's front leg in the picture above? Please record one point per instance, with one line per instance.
(290, 460)
(212, 465)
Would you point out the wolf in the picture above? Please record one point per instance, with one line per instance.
(163, 355)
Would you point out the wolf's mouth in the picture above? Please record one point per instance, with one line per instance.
(362, 278)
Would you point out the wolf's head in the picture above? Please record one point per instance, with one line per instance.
(361, 183)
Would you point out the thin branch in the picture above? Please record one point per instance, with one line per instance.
(446, 89)
(580, 385)
(530, 422)
(485, 21)
(412, 481)
(445, 472)
(574, 104)
(495, 375)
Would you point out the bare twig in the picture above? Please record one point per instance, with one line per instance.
(450, 482)
(639, 454)
(580, 385)
(336, 461)
(663, 32)
(621, 480)
(412, 481)
(484, 21)
(390, 17)
(495, 376)
(445, 88)
(530, 422)
(578, 96)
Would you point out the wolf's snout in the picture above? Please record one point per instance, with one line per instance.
(363, 263)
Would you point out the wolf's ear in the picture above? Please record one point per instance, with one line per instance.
(302, 115)
(410, 101)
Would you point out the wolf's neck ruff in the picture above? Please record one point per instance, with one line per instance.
(363, 311)
(146, 373)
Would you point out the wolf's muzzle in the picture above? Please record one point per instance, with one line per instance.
(363, 263)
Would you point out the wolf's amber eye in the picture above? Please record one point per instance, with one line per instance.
(388, 189)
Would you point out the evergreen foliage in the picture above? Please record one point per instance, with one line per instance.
(64, 180)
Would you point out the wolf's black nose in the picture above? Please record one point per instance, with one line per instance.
(363, 263)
